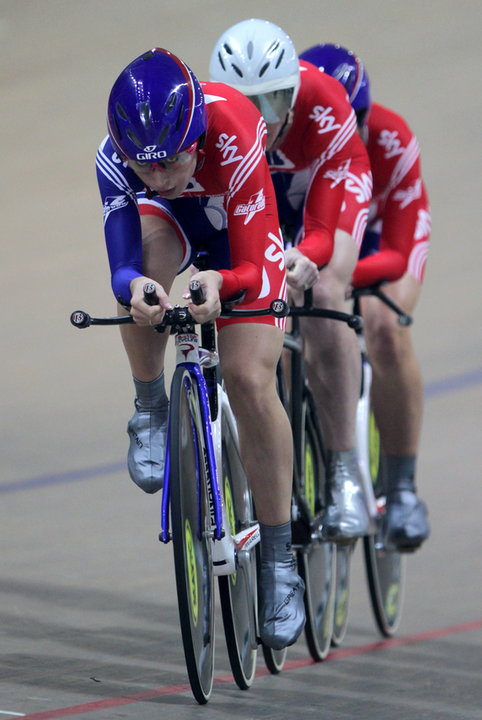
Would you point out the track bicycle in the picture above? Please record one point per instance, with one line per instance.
(206, 508)
(317, 558)
(385, 569)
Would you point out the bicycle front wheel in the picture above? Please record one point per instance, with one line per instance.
(316, 559)
(385, 569)
(237, 591)
(190, 534)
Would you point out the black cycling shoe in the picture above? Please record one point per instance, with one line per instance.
(406, 524)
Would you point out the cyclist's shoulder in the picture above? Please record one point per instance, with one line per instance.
(229, 111)
(321, 112)
(235, 137)
(319, 88)
(113, 172)
(383, 120)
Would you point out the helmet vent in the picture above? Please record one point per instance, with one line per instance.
(121, 111)
(145, 114)
(228, 49)
(279, 60)
(273, 47)
(133, 138)
(263, 69)
(237, 70)
(221, 62)
(171, 101)
(250, 50)
(163, 134)
(180, 116)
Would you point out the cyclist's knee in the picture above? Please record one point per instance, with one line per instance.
(387, 343)
(246, 388)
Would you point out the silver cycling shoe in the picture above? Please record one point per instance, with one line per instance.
(147, 430)
(406, 523)
(281, 611)
(346, 515)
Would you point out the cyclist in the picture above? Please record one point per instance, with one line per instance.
(322, 179)
(398, 233)
(195, 155)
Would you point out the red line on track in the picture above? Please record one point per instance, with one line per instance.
(290, 665)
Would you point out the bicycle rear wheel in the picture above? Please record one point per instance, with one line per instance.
(385, 569)
(316, 558)
(238, 591)
(190, 534)
(342, 592)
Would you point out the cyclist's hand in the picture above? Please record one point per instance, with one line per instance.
(302, 272)
(143, 313)
(211, 282)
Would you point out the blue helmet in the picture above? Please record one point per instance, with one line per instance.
(346, 67)
(156, 108)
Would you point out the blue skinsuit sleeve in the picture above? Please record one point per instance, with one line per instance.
(122, 227)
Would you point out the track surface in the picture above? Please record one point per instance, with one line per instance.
(88, 617)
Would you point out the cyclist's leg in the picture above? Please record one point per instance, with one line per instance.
(162, 257)
(397, 383)
(333, 364)
(249, 353)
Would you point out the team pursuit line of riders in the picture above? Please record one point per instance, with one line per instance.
(286, 172)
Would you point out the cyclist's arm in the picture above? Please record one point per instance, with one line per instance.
(122, 226)
(331, 140)
(398, 233)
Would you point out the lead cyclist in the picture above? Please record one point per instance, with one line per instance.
(182, 168)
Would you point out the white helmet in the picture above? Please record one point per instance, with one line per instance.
(257, 57)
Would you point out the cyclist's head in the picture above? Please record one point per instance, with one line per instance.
(259, 59)
(156, 108)
(346, 67)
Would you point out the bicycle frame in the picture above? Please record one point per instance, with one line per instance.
(226, 549)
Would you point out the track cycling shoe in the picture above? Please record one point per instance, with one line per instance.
(147, 430)
(346, 515)
(406, 523)
(281, 611)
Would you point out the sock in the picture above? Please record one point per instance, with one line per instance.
(399, 472)
(150, 395)
(276, 542)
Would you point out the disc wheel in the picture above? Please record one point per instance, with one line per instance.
(316, 559)
(190, 530)
(238, 591)
(385, 569)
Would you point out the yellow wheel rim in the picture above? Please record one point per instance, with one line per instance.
(191, 572)
(310, 485)
(373, 448)
(228, 501)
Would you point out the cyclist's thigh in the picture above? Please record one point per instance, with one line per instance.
(197, 223)
(404, 292)
(162, 252)
(249, 353)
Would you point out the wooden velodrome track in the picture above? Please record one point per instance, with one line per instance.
(88, 617)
